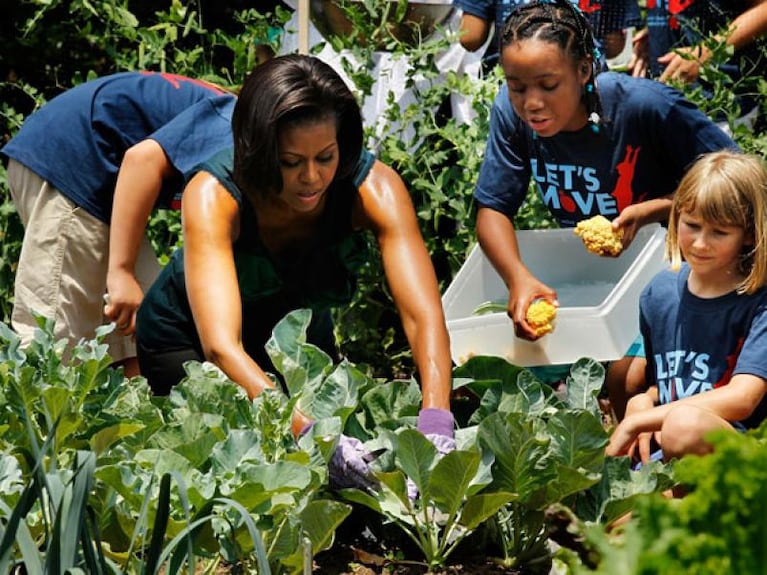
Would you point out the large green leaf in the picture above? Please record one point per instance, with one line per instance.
(526, 396)
(239, 445)
(107, 436)
(522, 460)
(484, 372)
(480, 508)
(320, 519)
(583, 385)
(578, 439)
(388, 405)
(416, 456)
(256, 483)
(302, 365)
(334, 395)
(451, 478)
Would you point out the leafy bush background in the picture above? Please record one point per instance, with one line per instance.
(48, 46)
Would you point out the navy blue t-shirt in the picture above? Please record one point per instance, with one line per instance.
(695, 344)
(650, 134)
(77, 140)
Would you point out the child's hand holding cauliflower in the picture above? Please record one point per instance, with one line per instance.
(599, 237)
(540, 316)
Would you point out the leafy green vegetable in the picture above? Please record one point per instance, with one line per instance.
(718, 527)
(448, 507)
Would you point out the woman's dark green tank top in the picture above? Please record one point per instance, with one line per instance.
(319, 275)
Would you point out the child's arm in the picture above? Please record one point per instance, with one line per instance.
(732, 402)
(139, 181)
(473, 32)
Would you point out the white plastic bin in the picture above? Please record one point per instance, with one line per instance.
(598, 315)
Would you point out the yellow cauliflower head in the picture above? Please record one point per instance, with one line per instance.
(599, 237)
(540, 316)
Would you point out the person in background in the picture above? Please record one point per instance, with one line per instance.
(592, 143)
(672, 45)
(481, 18)
(279, 222)
(85, 171)
(704, 320)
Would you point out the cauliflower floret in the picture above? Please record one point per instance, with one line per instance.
(599, 237)
(539, 315)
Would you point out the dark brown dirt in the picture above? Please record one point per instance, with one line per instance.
(348, 560)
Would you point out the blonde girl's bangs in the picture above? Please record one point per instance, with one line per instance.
(717, 197)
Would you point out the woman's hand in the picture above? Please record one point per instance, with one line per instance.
(300, 423)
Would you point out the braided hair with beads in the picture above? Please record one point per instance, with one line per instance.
(562, 23)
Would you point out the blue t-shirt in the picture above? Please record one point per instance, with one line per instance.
(695, 344)
(673, 24)
(78, 139)
(604, 17)
(649, 135)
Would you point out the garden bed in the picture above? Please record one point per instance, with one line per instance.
(345, 559)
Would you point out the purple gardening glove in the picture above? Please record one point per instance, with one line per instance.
(437, 425)
(349, 466)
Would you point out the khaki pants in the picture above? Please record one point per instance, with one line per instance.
(62, 270)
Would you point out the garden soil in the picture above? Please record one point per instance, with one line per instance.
(349, 560)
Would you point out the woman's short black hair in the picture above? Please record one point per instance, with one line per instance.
(286, 91)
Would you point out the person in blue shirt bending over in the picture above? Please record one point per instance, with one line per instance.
(85, 171)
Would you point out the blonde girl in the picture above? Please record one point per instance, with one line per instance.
(704, 320)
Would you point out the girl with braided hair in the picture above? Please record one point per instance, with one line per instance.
(592, 144)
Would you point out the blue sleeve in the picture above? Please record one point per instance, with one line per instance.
(197, 133)
(484, 9)
(633, 14)
(644, 330)
(687, 131)
(367, 159)
(752, 359)
(504, 177)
